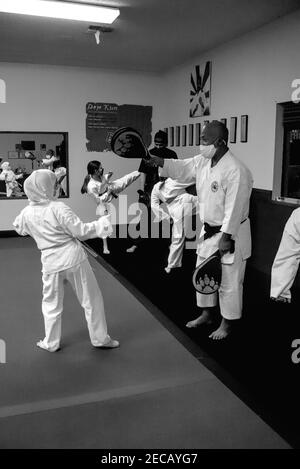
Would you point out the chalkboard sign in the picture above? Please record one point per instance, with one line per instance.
(103, 119)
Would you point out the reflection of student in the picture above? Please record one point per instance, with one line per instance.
(10, 178)
(57, 232)
(49, 159)
(60, 173)
(286, 262)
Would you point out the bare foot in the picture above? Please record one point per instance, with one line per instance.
(222, 332)
(132, 249)
(41, 344)
(205, 318)
(106, 251)
(168, 270)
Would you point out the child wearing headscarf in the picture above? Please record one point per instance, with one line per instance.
(10, 178)
(57, 232)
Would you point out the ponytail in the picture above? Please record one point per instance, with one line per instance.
(85, 184)
(92, 167)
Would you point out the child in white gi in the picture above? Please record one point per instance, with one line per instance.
(10, 178)
(286, 262)
(179, 205)
(49, 159)
(57, 231)
(98, 186)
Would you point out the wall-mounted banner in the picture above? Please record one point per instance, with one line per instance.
(2, 91)
(103, 119)
(200, 91)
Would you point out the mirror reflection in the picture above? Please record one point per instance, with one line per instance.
(23, 152)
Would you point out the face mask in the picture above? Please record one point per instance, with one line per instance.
(207, 151)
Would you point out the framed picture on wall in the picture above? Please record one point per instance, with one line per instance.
(233, 127)
(184, 131)
(224, 121)
(171, 134)
(191, 135)
(244, 128)
(198, 134)
(13, 154)
(200, 92)
(177, 135)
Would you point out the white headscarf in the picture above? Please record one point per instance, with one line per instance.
(39, 187)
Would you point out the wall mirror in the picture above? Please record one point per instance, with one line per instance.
(23, 152)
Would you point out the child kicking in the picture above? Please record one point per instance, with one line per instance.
(100, 188)
(179, 205)
(286, 262)
(57, 231)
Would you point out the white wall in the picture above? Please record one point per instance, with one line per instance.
(249, 75)
(42, 98)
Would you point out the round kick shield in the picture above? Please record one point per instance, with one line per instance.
(127, 142)
(208, 275)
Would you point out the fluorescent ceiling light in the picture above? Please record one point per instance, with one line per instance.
(61, 10)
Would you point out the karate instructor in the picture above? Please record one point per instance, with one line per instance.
(224, 186)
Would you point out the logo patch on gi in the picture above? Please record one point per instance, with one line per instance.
(214, 186)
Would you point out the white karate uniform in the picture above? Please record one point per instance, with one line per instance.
(10, 178)
(98, 190)
(59, 173)
(286, 262)
(57, 231)
(223, 193)
(179, 204)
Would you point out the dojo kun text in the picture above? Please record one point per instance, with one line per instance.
(296, 353)
(2, 91)
(2, 351)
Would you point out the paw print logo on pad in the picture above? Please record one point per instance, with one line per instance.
(207, 284)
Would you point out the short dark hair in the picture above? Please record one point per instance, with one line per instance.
(162, 136)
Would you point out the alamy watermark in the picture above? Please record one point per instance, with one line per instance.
(2, 91)
(2, 351)
(295, 97)
(296, 353)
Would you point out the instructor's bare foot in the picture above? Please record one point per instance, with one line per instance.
(106, 251)
(222, 332)
(205, 318)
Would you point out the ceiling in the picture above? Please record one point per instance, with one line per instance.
(149, 35)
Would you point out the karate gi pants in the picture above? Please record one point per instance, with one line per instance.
(231, 289)
(285, 266)
(86, 288)
(181, 207)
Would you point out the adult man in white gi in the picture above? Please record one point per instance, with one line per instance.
(224, 186)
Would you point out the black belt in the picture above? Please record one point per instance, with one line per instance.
(210, 231)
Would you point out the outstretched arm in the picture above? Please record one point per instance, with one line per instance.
(182, 170)
(72, 224)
